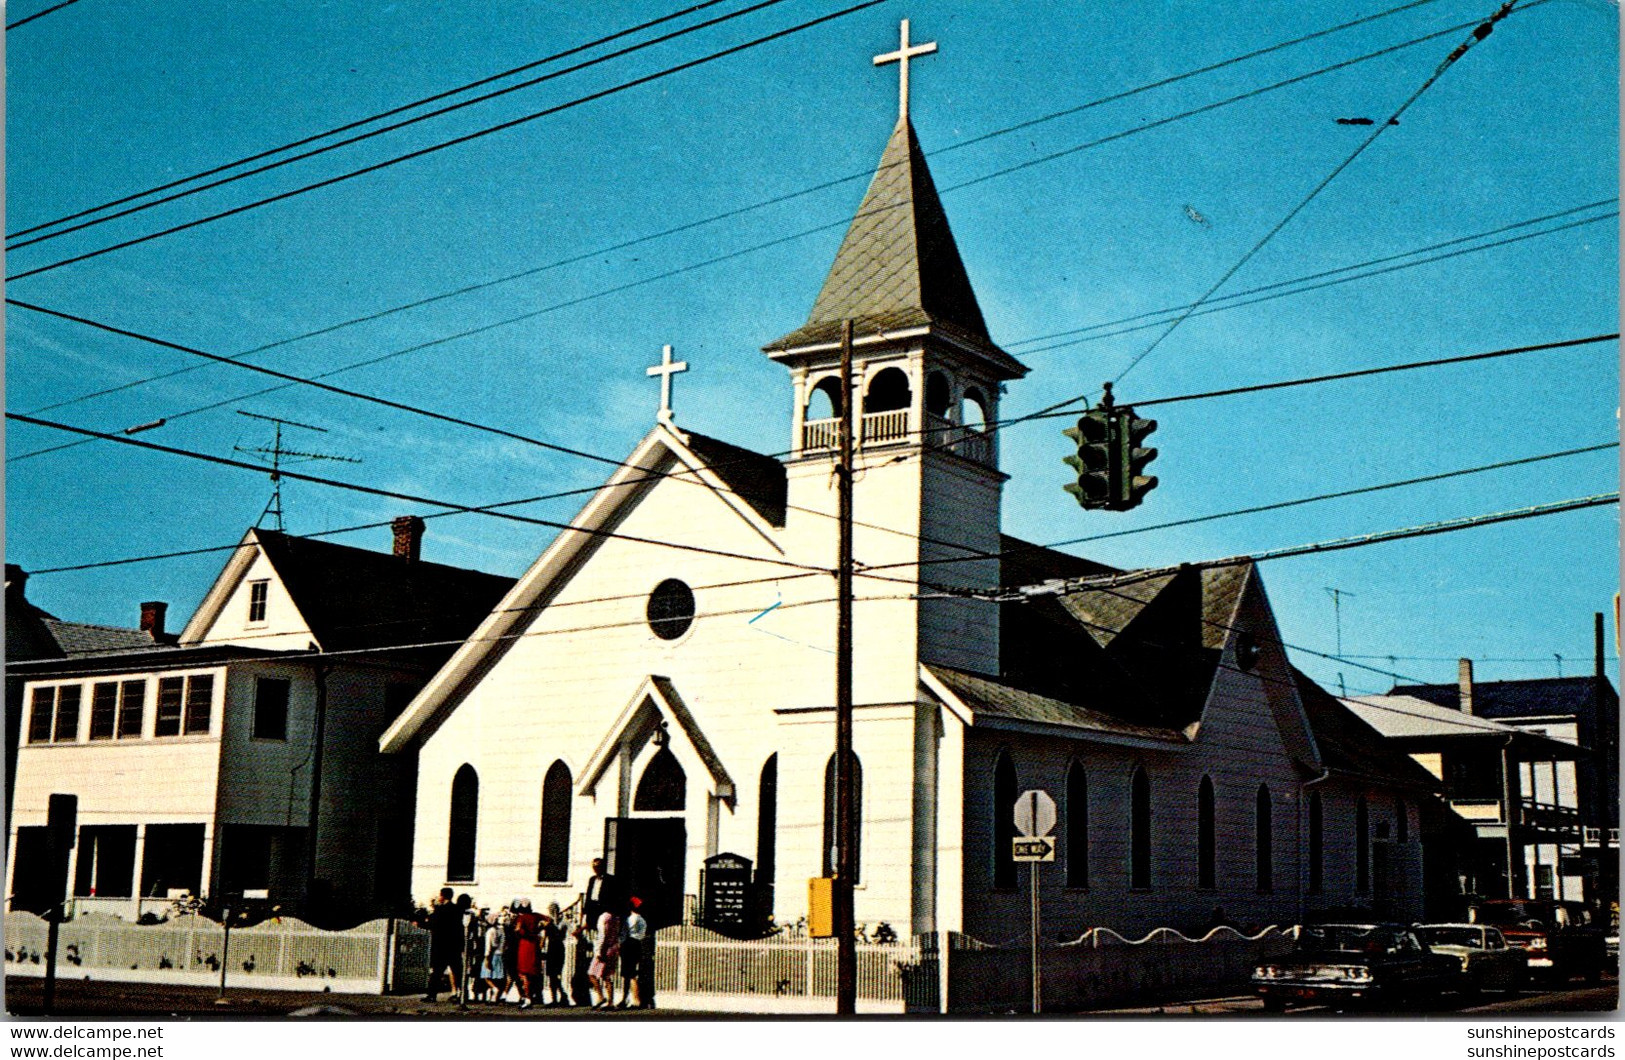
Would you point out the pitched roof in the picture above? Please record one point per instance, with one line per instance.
(83, 638)
(1533, 698)
(898, 266)
(1349, 744)
(354, 598)
(999, 699)
(758, 480)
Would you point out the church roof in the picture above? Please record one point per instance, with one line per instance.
(756, 479)
(898, 266)
(1350, 744)
(989, 698)
(354, 598)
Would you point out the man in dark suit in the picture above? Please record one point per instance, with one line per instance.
(603, 895)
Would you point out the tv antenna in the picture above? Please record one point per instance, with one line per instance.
(279, 456)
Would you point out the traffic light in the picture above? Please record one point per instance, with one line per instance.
(1133, 486)
(1096, 463)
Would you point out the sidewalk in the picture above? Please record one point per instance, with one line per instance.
(80, 998)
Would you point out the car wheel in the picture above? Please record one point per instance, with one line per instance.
(1593, 975)
(1274, 1004)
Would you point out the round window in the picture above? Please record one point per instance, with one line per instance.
(671, 609)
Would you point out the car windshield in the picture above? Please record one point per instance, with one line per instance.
(1346, 938)
(1513, 913)
(1452, 936)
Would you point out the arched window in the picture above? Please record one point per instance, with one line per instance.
(1362, 847)
(1206, 854)
(463, 828)
(973, 410)
(1140, 830)
(767, 822)
(553, 863)
(857, 817)
(1316, 843)
(1264, 841)
(664, 786)
(824, 403)
(1402, 821)
(938, 394)
(1004, 821)
(888, 391)
(1077, 826)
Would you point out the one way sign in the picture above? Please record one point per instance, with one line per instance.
(1037, 848)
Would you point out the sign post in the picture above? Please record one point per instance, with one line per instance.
(1034, 817)
(61, 825)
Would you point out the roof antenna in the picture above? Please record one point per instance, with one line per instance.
(279, 456)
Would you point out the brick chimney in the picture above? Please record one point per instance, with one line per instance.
(1464, 683)
(152, 618)
(408, 531)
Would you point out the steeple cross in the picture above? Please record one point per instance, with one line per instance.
(901, 57)
(665, 370)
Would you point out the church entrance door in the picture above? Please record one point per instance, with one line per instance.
(646, 855)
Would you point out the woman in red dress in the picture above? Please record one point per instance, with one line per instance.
(528, 955)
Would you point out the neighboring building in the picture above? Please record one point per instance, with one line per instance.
(32, 633)
(1564, 742)
(661, 705)
(244, 757)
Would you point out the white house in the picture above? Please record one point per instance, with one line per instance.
(658, 686)
(245, 757)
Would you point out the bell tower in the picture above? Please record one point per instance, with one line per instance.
(927, 382)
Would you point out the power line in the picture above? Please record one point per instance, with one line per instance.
(376, 491)
(1319, 275)
(420, 152)
(1335, 376)
(719, 259)
(39, 14)
(577, 49)
(369, 134)
(1278, 505)
(1482, 31)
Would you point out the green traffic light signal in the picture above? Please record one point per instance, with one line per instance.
(1133, 457)
(1094, 462)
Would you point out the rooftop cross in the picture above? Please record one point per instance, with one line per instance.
(901, 57)
(665, 370)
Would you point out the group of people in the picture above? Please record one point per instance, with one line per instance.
(518, 951)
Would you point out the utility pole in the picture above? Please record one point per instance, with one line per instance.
(846, 954)
(279, 456)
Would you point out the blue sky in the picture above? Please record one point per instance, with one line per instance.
(107, 99)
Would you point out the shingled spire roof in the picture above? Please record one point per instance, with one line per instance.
(898, 266)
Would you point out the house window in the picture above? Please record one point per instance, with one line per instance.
(553, 863)
(1140, 831)
(1362, 847)
(767, 826)
(171, 694)
(184, 701)
(271, 708)
(103, 710)
(258, 593)
(41, 714)
(830, 817)
(462, 833)
(1264, 841)
(1004, 822)
(105, 867)
(664, 786)
(1316, 843)
(1206, 855)
(1077, 826)
(131, 702)
(67, 714)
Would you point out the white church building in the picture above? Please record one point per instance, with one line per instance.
(658, 687)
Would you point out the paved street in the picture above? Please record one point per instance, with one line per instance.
(1571, 998)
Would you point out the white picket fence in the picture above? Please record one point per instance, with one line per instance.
(283, 954)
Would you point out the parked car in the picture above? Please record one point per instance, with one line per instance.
(1487, 962)
(1356, 964)
(1557, 938)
